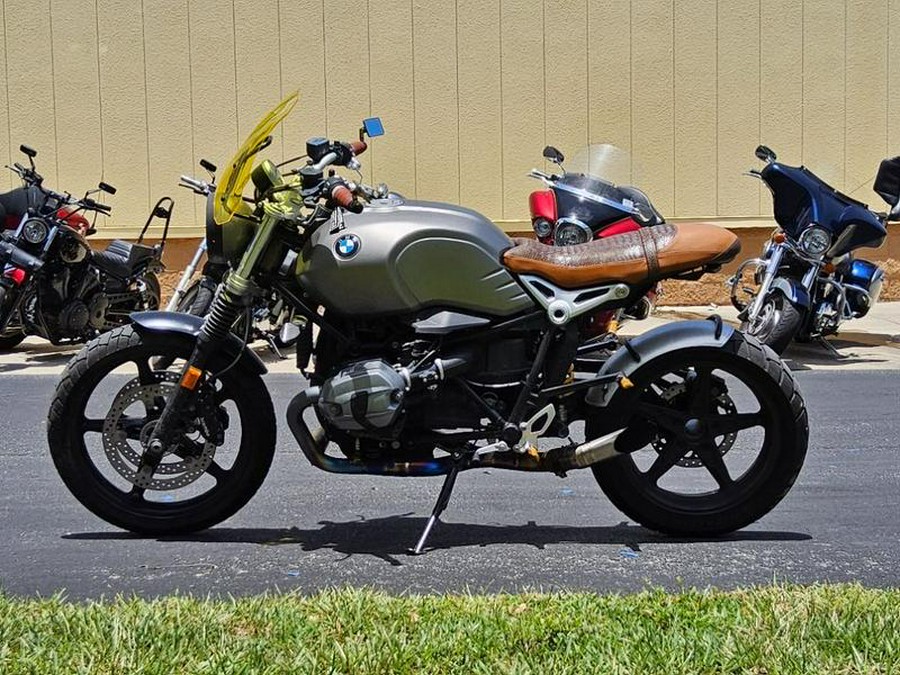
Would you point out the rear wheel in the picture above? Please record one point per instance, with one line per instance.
(198, 297)
(777, 323)
(718, 438)
(104, 411)
(154, 290)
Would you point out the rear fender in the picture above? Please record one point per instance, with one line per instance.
(190, 325)
(793, 290)
(654, 343)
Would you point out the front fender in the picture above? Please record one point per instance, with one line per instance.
(190, 325)
(793, 290)
(656, 342)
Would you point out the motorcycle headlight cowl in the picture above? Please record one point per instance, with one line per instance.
(35, 231)
(815, 241)
(571, 232)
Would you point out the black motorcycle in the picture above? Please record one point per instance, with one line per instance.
(52, 284)
(807, 281)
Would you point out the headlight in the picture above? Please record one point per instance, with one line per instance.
(542, 227)
(570, 232)
(34, 231)
(815, 241)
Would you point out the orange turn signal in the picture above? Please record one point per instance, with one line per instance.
(778, 237)
(828, 268)
(190, 379)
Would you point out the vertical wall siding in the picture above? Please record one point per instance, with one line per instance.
(136, 91)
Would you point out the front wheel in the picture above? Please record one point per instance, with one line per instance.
(777, 323)
(717, 438)
(11, 336)
(104, 411)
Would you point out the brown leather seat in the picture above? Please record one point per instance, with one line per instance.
(645, 255)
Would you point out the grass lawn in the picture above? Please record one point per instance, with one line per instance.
(821, 629)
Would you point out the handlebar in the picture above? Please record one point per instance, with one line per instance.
(199, 186)
(89, 203)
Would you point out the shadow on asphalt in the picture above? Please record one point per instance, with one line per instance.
(801, 356)
(387, 538)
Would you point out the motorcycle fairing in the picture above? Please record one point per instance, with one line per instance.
(542, 204)
(800, 198)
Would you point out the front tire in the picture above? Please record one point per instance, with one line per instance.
(723, 499)
(104, 480)
(10, 337)
(777, 324)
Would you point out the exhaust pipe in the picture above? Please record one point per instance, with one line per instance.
(557, 460)
(313, 445)
(597, 450)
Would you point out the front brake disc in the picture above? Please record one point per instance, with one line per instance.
(179, 471)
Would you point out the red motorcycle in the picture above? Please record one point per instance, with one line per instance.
(577, 208)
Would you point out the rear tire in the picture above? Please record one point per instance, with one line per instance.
(748, 496)
(68, 425)
(154, 289)
(778, 323)
(198, 297)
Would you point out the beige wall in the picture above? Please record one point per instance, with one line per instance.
(470, 91)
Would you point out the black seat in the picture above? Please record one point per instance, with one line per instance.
(124, 259)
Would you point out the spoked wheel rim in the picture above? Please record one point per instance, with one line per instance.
(697, 429)
(123, 436)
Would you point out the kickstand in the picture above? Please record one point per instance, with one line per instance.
(439, 506)
(831, 349)
(270, 340)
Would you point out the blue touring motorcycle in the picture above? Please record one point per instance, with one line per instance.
(807, 281)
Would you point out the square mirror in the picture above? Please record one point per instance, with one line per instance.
(373, 127)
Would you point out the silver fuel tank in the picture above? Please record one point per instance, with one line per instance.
(401, 256)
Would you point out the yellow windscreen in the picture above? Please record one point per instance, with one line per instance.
(228, 200)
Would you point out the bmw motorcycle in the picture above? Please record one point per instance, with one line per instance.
(808, 281)
(577, 207)
(442, 346)
(53, 284)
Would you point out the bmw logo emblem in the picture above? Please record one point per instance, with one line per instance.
(347, 246)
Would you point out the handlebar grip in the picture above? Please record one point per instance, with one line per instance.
(342, 196)
(358, 147)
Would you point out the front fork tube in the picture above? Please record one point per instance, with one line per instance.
(226, 307)
(771, 272)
